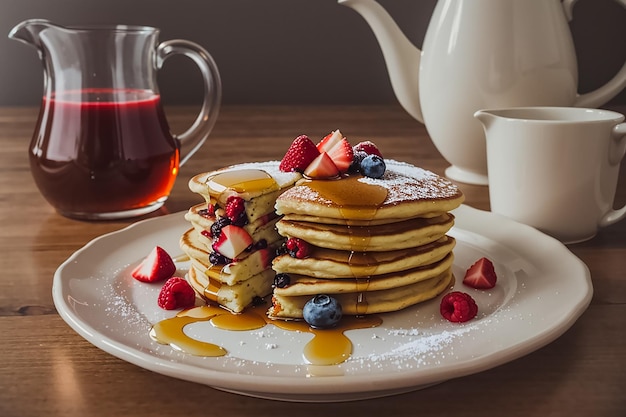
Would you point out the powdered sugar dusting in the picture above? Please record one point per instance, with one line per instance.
(406, 182)
(304, 193)
(420, 346)
(271, 167)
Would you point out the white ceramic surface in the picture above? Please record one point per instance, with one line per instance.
(555, 168)
(482, 54)
(543, 289)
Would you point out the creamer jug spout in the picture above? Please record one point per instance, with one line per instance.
(401, 56)
(485, 117)
(28, 31)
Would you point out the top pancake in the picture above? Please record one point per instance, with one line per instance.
(405, 191)
(257, 183)
(200, 182)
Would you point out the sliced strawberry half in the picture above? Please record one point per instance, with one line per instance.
(267, 256)
(329, 141)
(368, 147)
(299, 155)
(232, 241)
(322, 167)
(481, 275)
(342, 155)
(157, 266)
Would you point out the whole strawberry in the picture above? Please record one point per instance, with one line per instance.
(299, 155)
(176, 293)
(458, 307)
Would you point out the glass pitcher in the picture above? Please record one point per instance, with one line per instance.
(102, 147)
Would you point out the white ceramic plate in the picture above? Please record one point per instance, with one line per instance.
(542, 289)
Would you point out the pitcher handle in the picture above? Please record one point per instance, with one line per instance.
(191, 140)
(617, 150)
(613, 87)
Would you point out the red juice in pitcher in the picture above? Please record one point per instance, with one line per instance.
(103, 151)
(102, 148)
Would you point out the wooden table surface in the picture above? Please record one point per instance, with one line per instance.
(46, 369)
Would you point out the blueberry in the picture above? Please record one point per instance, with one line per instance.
(322, 311)
(217, 258)
(258, 301)
(261, 244)
(373, 166)
(282, 280)
(218, 225)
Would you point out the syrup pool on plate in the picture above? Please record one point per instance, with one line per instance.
(328, 346)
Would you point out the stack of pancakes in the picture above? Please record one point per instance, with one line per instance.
(376, 245)
(235, 283)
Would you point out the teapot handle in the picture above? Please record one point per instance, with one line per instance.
(609, 90)
(194, 137)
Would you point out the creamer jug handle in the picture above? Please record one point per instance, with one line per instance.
(194, 137)
(617, 150)
(613, 87)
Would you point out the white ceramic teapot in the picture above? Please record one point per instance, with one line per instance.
(482, 54)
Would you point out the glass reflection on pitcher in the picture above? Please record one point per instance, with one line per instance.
(102, 147)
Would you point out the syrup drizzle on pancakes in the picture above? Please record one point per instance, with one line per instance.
(356, 200)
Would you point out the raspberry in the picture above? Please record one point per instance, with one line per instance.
(176, 293)
(357, 157)
(368, 147)
(236, 211)
(298, 248)
(458, 307)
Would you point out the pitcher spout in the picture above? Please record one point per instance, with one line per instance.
(28, 31)
(401, 56)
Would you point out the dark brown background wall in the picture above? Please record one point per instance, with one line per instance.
(280, 51)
